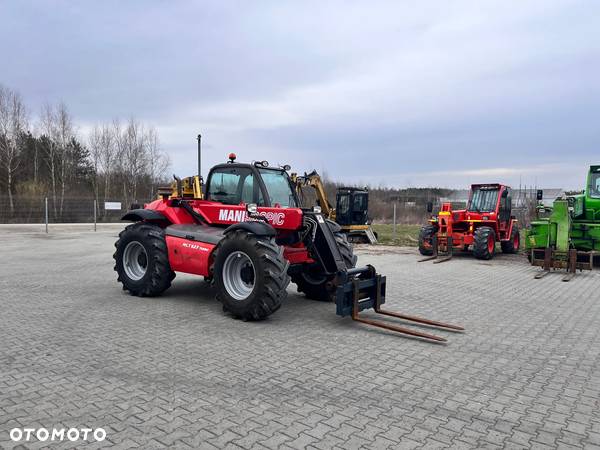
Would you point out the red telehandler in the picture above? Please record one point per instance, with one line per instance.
(245, 232)
(487, 220)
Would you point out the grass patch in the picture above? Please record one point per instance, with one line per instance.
(406, 235)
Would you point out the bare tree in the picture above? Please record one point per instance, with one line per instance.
(158, 162)
(103, 152)
(48, 129)
(132, 157)
(107, 157)
(13, 123)
(57, 125)
(64, 136)
(95, 145)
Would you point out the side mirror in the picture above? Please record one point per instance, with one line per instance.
(540, 195)
(429, 207)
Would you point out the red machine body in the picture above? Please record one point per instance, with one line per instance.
(189, 256)
(196, 257)
(220, 214)
(194, 252)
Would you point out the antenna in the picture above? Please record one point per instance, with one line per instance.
(199, 155)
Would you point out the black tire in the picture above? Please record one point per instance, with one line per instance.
(425, 239)
(268, 282)
(313, 283)
(152, 262)
(482, 248)
(514, 244)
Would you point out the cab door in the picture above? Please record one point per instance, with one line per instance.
(505, 210)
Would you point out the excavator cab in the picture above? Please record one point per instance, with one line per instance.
(352, 206)
(352, 214)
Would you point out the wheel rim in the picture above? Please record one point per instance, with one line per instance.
(135, 260)
(491, 244)
(239, 275)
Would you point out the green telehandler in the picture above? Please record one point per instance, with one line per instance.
(567, 236)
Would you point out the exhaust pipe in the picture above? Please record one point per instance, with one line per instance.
(199, 155)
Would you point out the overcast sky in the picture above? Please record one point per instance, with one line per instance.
(400, 93)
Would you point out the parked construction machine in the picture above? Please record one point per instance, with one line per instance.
(351, 212)
(245, 233)
(486, 220)
(568, 237)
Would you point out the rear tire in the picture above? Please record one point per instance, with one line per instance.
(514, 244)
(250, 274)
(142, 260)
(314, 284)
(484, 243)
(426, 239)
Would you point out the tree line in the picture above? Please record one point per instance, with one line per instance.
(48, 156)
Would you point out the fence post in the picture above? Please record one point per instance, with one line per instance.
(95, 217)
(46, 213)
(394, 227)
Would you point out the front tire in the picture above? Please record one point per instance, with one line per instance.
(514, 244)
(250, 274)
(426, 239)
(142, 260)
(314, 284)
(484, 243)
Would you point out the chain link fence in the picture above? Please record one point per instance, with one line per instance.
(39, 209)
(28, 209)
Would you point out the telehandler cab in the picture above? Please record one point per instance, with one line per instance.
(245, 232)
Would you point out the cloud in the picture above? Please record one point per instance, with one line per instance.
(393, 92)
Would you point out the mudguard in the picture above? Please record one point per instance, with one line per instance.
(259, 228)
(147, 215)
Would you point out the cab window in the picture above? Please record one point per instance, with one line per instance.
(343, 206)
(595, 186)
(360, 202)
(278, 187)
(231, 186)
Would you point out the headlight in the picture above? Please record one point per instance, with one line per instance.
(252, 208)
(317, 209)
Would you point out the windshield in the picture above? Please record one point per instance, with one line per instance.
(483, 200)
(278, 188)
(232, 186)
(595, 186)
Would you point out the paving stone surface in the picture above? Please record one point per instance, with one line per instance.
(175, 371)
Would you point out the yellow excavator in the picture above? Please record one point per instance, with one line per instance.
(351, 211)
(188, 187)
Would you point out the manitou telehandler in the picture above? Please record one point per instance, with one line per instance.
(351, 212)
(246, 233)
(569, 236)
(487, 220)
